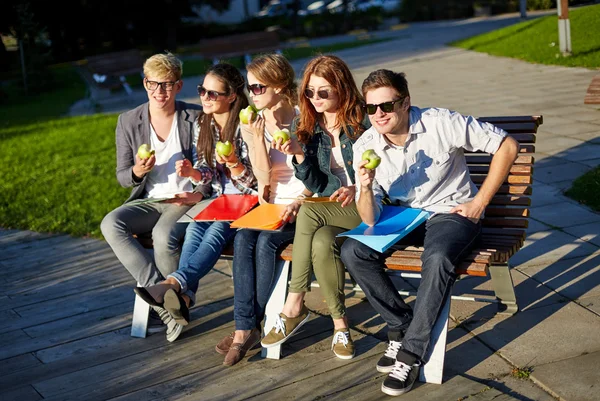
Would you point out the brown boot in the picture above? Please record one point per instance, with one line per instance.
(237, 351)
(224, 345)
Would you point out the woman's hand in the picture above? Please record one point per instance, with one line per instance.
(184, 168)
(231, 159)
(257, 127)
(344, 195)
(291, 211)
(289, 147)
(143, 166)
(186, 198)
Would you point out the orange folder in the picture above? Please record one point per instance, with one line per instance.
(264, 217)
(227, 207)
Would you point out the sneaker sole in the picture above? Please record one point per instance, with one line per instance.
(174, 335)
(173, 305)
(344, 356)
(384, 369)
(287, 337)
(393, 391)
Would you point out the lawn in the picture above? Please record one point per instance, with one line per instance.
(586, 189)
(58, 173)
(536, 40)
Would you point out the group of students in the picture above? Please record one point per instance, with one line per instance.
(331, 123)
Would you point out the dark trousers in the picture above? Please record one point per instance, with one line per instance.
(254, 260)
(447, 239)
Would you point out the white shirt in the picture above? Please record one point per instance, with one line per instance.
(430, 172)
(162, 179)
(337, 165)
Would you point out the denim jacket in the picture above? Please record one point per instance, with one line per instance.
(315, 170)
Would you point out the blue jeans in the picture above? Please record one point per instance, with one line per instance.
(202, 247)
(254, 260)
(447, 239)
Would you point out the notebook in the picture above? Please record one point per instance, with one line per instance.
(394, 223)
(263, 217)
(227, 207)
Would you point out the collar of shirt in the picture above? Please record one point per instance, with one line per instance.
(415, 126)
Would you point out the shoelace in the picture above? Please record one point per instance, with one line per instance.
(166, 317)
(392, 349)
(400, 371)
(341, 336)
(280, 325)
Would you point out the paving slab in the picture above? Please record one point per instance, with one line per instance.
(587, 232)
(545, 247)
(564, 214)
(587, 151)
(573, 278)
(552, 144)
(573, 379)
(561, 171)
(545, 194)
(591, 303)
(541, 335)
(535, 226)
(572, 128)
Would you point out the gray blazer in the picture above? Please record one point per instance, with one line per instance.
(133, 129)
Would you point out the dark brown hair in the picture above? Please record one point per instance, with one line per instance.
(386, 79)
(234, 82)
(350, 112)
(276, 71)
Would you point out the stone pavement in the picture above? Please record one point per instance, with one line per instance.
(557, 273)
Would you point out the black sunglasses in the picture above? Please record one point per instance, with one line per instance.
(212, 95)
(323, 93)
(257, 89)
(386, 107)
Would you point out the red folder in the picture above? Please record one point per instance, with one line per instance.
(227, 208)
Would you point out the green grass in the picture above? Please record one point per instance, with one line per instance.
(586, 189)
(58, 173)
(536, 40)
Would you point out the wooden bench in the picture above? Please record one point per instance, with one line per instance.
(592, 95)
(238, 45)
(504, 225)
(106, 72)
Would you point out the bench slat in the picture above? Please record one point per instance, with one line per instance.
(512, 119)
(506, 211)
(474, 158)
(511, 200)
(514, 170)
(518, 127)
(505, 222)
(511, 179)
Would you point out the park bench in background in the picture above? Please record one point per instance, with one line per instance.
(106, 72)
(592, 95)
(239, 45)
(504, 225)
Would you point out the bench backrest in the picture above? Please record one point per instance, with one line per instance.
(117, 63)
(239, 43)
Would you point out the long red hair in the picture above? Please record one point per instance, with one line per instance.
(350, 112)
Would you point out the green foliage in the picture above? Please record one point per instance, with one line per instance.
(536, 40)
(586, 188)
(522, 373)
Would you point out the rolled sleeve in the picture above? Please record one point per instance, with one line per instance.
(475, 135)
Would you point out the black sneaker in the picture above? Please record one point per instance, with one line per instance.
(401, 378)
(387, 361)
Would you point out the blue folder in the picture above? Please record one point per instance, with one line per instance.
(394, 223)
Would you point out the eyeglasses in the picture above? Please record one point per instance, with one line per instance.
(153, 85)
(323, 93)
(386, 107)
(212, 95)
(257, 89)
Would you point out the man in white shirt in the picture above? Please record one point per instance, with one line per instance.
(422, 166)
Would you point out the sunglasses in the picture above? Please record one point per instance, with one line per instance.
(323, 93)
(212, 95)
(257, 89)
(153, 85)
(386, 107)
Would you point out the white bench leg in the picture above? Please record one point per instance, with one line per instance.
(139, 321)
(275, 305)
(433, 370)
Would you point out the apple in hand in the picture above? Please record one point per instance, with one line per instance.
(372, 157)
(248, 114)
(224, 148)
(284, 134)
(144, 151)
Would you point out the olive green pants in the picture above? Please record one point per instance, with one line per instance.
(317, 250)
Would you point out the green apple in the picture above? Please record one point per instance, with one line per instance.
(284, 134)
(248, 114)
(224, 148)
(372, 157)
(144, 151)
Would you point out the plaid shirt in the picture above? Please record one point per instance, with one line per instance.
(213, 175)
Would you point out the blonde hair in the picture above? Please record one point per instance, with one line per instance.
(276, 71)
(164, 66)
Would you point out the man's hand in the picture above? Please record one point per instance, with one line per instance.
(143, 166)
(344, 195)
(471, 210)
(365, 176)
(184, 168)
(291, 211)
(186, 198)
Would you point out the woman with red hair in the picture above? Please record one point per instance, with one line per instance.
(331, 119)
